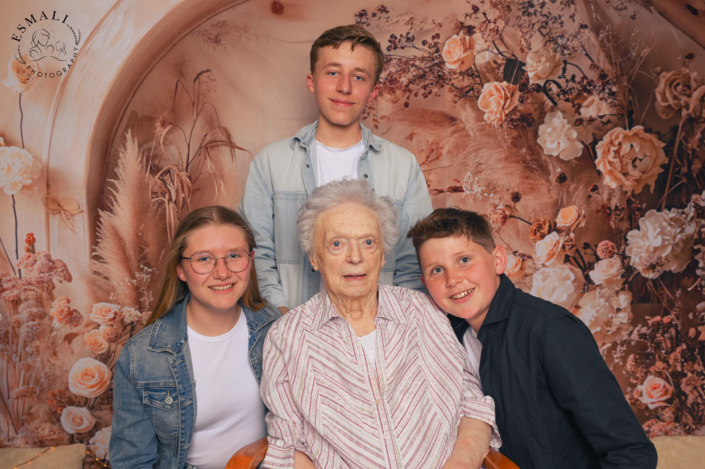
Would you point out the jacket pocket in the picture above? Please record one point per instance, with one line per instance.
(162, 406)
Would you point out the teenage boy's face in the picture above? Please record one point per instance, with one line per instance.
(461, 276)
(343, 83)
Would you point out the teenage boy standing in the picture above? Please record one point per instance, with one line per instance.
(346, 63)
(557, 403)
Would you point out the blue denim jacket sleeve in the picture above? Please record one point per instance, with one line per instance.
(257, 206)
(133, 443)
(417, 205)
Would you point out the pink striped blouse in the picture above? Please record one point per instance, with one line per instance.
(326, 401)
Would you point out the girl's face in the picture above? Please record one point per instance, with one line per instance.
(220, 289)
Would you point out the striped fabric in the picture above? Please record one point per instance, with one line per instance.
(326, 401)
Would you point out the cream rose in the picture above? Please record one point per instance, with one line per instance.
(89, 378)
(17, 170)
(569, 218)
(655, 392)
(606, 312)
(459, 52)
(515, 266)
(663, 242)
(594, 107)
(608, 272)
(674, 90)
(21, 75)
(543, 65)
(560, 285)
(497, 100)
(630, 159)
(558, 138)
(96, 342)
(105, 313)
(77, 419)
(549, 249)
(100, 443)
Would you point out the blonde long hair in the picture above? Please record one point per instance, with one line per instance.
(173, 289)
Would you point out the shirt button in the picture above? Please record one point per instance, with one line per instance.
(168, 400)
(386, 436)
(378, 401)
(365, 176)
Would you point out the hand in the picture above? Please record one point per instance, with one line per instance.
(302, 461)
(283, 310)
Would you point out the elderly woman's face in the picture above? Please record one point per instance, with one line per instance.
(349, 251)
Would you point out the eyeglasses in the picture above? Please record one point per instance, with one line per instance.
(205, 262)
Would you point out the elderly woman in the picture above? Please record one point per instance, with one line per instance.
(365, 375)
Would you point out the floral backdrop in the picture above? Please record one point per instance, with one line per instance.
(559, 120)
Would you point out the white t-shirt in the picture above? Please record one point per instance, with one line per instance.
(229, 412)
(336, 163)
(368, 343)
(474, 348)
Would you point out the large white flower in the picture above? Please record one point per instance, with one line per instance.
(663, 242)
(608, 272)
(17, 170)
(100, 443)
(558, 138)
(560, 285)
(542, 65)
(77, 419)
(549, 249)
(607, 313)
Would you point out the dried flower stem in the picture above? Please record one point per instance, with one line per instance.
(8, 257)
(21, 120)
(17, 248)
(673, 163)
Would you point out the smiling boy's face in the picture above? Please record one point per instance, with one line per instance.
(343, 82)
(461, 276)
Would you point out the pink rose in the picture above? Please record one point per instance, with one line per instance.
(77, 419)
(497, 100)
(21, 75)
(655, 392)
(96, 342)
(606, 249)
(459, 52)
(105, 313)
(89, 378)
(674, 90)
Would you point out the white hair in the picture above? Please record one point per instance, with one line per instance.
(347, 191)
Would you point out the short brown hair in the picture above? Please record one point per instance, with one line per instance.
(447, 222)
(356, 35)
(174, 289)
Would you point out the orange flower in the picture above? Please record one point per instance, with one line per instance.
(569, 218)
(89, 378)
(540, 229)
(459, 52)
(96, 342)
(497, 100)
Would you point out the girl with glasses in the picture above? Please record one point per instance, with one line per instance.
(186, 391)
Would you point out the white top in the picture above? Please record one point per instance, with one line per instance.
(336, 163)
(229, 410)
(368, 343)
(474, 348)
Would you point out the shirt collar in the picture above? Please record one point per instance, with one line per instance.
(169, 331)
(307, 135)
(388, 308)
(499, 308)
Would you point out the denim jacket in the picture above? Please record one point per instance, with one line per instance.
(281, 178)
(154, 394)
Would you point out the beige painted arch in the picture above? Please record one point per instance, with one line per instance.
(90, 101)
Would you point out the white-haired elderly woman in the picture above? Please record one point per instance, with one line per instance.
(365, 375)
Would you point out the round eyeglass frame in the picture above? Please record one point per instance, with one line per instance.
(215, 262)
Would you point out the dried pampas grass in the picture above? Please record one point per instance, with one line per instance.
(131, 238)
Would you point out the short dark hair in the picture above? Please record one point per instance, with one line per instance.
(356, 35)
(447, 222)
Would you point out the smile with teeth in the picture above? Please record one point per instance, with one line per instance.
(462, 294)
(222, 287)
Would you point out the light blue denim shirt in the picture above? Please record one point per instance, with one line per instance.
(283, 175)
(154, 393)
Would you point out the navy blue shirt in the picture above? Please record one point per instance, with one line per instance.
(557, 403)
